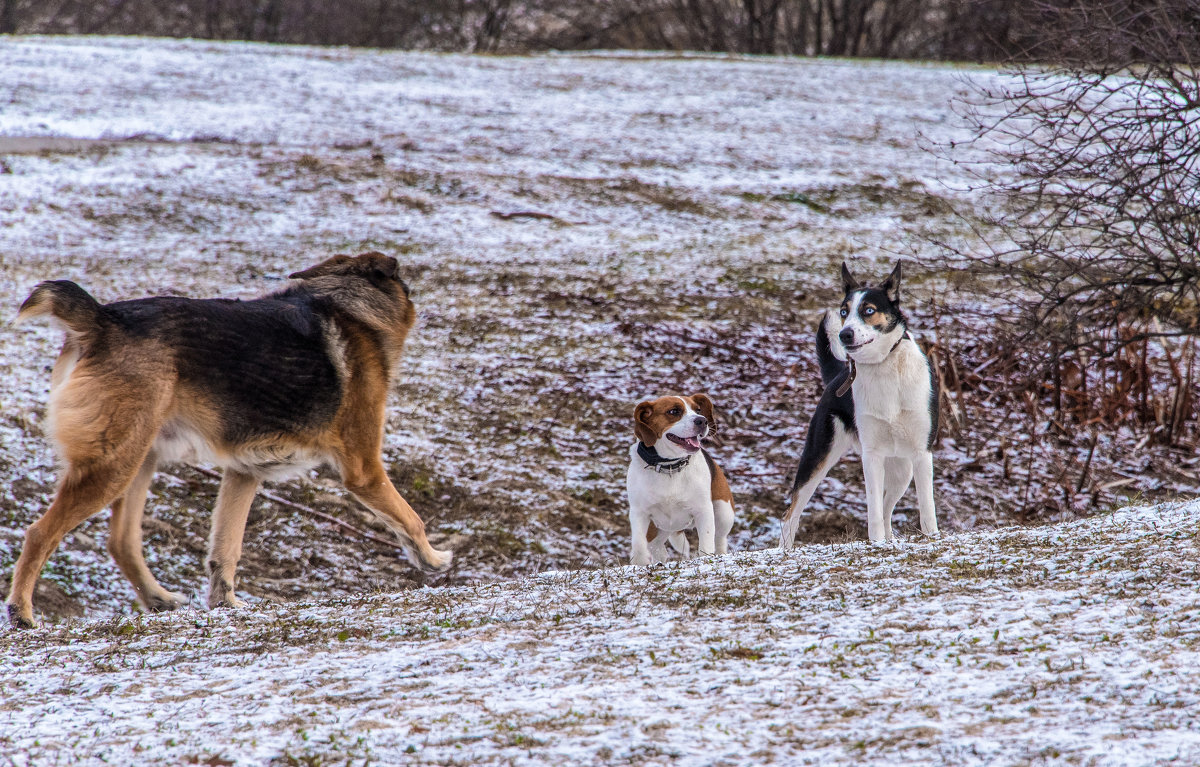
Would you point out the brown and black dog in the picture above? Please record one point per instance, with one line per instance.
(264, 388)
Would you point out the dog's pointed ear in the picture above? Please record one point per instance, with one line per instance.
(848, 282)
(891, 285)
(387, 268)
(376, 264)
(704, 406)
(335, 265)
(641, 423)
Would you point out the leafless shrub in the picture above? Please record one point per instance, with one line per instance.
(1101, 210)
(972, 29)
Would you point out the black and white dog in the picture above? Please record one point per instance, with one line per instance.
(881, 398)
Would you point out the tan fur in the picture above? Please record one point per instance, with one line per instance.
(720, 486)
(654, 417)
(110, 413)
(878, 319)
(36, 306)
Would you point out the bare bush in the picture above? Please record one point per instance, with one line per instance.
(1101, 209)
(973, 29)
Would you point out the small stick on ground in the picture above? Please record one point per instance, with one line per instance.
(311, 512)
(530, 214)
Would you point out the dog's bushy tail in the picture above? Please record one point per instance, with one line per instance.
(831, 363)
(66, 302)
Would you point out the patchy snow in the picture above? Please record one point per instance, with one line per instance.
(699, 205)
(696, 122)
(140, 166)
(1071, 644)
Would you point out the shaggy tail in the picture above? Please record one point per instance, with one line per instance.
(830, 355)
(66, 302)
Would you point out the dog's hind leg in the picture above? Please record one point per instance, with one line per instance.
(723, 512)
(897, 473)
(125, 542)
(370, 484)
(679, 542)
(923, 473)
(80, 495)
(104, 442)
(658, 544)
(823, 448)
(225, 539)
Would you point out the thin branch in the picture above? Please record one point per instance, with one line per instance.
(272, 497)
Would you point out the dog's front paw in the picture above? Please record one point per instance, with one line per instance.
(432, 560)
(19, 620)
(165, 601)
(220, 594)
(640, 558)
(787, 534)
(228, 600)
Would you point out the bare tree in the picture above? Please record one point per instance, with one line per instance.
(1102, 207)
(901, 28)
(8, 17)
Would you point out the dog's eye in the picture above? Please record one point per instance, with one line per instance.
(869, 311)
(845, 311)
(674, 411)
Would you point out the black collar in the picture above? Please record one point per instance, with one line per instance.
(658, 463)
(845, 387)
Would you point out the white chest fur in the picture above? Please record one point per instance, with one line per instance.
(891, 402)
(670, 501)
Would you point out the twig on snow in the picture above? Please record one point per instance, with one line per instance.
(532, 214)
(311, 512)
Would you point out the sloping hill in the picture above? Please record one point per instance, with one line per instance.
(733, 185)
(581, 232)
(1069, 644)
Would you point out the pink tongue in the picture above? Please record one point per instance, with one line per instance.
(692, 443)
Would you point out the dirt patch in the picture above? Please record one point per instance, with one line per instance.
(49, 599)
(71, 145)
(41, 144)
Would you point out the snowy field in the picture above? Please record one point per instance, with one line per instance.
(1073, 644)
(689, 214)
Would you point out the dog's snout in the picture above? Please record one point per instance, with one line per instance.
(700, 421)
(846, 336)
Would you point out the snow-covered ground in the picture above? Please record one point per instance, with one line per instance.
(699, 209)
(691, 215)
(1071, 644)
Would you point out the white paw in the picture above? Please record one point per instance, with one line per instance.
(228, 599)
(165, 601)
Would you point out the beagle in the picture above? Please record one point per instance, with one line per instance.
(670, 489)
